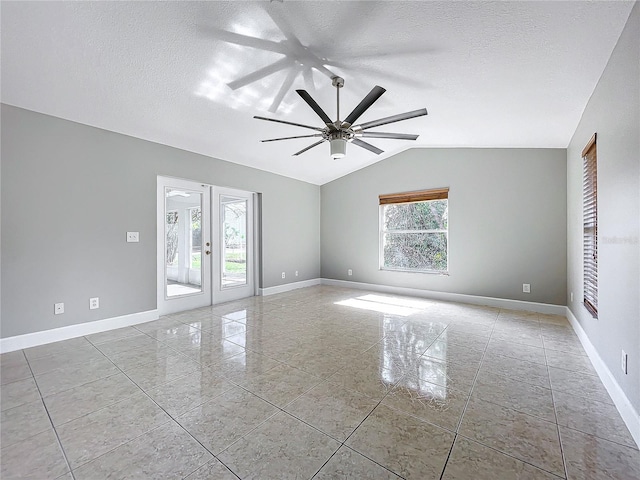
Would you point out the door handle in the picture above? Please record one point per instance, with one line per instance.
(207, 252)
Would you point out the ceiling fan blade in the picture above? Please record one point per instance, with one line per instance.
(316, 108)
(395, 136)
(290, 138)
(244, 40)
(284, 89)
(288, 123)
(366, 102)
(367, 146)
(261, 73)
(308, 148)
(391, 119)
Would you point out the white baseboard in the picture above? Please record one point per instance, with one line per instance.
(288, 286)
(453, 297)
(627, 411)
(72, 331)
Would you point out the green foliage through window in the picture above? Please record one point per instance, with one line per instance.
(414, 236)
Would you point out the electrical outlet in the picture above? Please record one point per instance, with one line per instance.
(94, 303)
(58, 308)
(349, 272)
(623, 364)
(296, 273)
(133, 237)
(283, 275)
(526, 288)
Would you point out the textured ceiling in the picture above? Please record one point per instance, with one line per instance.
(491, 74)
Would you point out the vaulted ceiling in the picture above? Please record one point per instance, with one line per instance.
(193, 74)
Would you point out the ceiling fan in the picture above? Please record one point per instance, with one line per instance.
(340, 132)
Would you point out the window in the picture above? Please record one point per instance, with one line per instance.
(414, 231)
(195, 235)
(590, 225)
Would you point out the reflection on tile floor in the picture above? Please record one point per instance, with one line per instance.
(321, 382)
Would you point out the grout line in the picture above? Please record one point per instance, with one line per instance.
(55, 431)
(160, 407)
(555, 413)
(473, 386)
(446, 462)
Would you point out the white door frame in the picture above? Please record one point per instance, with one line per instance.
(210, 232)
(223, 293)
(193, 300)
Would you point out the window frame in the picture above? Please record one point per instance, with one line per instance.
(410, 197)
(590, 227)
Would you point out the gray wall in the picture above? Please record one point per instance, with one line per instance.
(613, 112)
(71, 192)
(507, 221)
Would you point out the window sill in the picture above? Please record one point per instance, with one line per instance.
(428, 272)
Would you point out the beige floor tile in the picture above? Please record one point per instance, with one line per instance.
(56, 348)
(516, 350)
(470, 329)
(437, 404)
(283, 447)
(521, 370)
(226, 418)
(373, 383)
(525, 437)
(204, 348)
(213, 470)
(566, 361)
(165, 452)
(589, 457)
(95, 434)
(406, 445)
(13, 358)
(168, 330)
(74, 375)
(117, 334)
(465, 339)
(81, 354)
(321, 364)
(592, 417)
(341, 373)
(281, 385)
(18, 393)
(15, 369)
(521, 337)
(162, 371)
(576, 383)
(333, 409)
(514, 394)
(19, 423)
(79, 401)
(38, 457)
(189, 391)
(133, 342)
(572, 347)
(470, 460)
(347, 464)
(454, 375)
(454, 353)
(245, 366)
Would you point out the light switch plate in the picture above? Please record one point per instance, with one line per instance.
(133, 237)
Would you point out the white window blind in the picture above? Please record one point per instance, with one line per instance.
(590, 226)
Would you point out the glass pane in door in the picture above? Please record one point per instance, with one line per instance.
(183, 242)
(233, 213)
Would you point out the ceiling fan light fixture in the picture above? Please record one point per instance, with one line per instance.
(338, 148)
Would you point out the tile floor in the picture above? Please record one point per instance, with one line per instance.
(320, 383)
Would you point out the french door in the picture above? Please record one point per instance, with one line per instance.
(233, 244)
(206, 248)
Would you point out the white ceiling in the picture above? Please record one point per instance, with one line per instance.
(491, 74)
